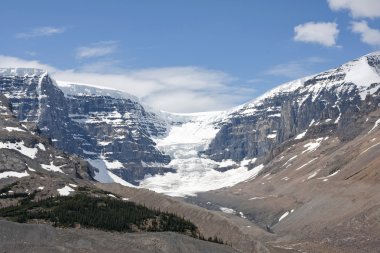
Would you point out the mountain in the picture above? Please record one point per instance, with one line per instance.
(295, 169)
(108, 128)
(33, 170)
(182, 154)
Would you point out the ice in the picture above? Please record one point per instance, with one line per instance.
(74, 89)
(20, 147)
(65, 191)
(113, 165)
(194, 173)
(7, 174)
(103, 175)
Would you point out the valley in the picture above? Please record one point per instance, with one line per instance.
(294, 170)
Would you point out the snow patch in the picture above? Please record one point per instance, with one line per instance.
(52, 167)
(65, 191)
(7, 174)
(14, 129)
(301, 135)
(20, 147)
(375, 126)
(227, 210)
(283, 216)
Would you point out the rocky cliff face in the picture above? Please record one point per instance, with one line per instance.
(121, 129)
(326, 102)
(113, 133)
(29, 163)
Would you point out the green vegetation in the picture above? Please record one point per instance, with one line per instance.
(105, 213)
(102, 213)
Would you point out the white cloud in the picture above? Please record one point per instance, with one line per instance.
(14, 62)
(97, 49)
(43, 31)
(368, 35)
(177, 89)
(324, 33)
(358, 8)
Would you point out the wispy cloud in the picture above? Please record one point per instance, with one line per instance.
(368, 35)
(98, 49)
(296, 69)
(31, 53)
(43, 31)
(357, 8)
(177, 89)
(323, 33)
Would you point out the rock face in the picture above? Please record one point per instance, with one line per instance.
(121, 129)
(111, 132)
(326, 102)
(29, 163)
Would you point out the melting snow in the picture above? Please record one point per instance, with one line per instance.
(307, 163)
(283, 216)
(312, 146)
(65, 191)
(103, 175)
(14, 129)
(20, 147)
(369, 148)
(52, 167)
(227, 210)
(375, 126)
(301, 135)
(7, 174)
(312, 175)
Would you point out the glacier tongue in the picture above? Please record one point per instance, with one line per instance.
(191, 134)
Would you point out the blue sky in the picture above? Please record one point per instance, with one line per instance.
(187, 56)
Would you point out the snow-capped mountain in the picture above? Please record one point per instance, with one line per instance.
(218, 149)
(112, 133)
(182, 154)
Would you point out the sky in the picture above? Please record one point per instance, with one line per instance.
(187, 56)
